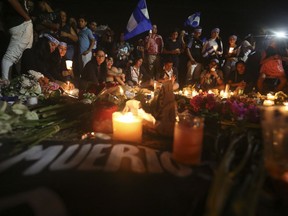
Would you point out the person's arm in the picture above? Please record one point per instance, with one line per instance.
(219, 77)
(192, 60)
(19, 9)
(72, 35)
(92, 42)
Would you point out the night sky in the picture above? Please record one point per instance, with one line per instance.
(234, 17)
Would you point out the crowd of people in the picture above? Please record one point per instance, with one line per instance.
(42, 39)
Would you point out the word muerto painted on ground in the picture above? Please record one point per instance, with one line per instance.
(96, 157)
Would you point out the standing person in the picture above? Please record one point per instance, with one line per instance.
(213, 48)
(195, 59)
(231, 53)
(173, 47)
(46, 20)
(68, 35)
(86, 42)
(153, 46)
(21, 30)
(123, 50)
(93, 28)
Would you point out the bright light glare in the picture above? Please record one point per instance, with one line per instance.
(280, 34)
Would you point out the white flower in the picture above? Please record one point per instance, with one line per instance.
(26, 82)
(35, 74)
(31, 115)
(19, 108)
(36, 89)
(86, 101)
(23, 91)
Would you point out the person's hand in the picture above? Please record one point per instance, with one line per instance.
(242, 84)
(68, 86)
(177, 51)
(43, 81)
(67, 73)
(122, 76)
(85, 52)
(173, 78)
(64, 34)
(213, 73)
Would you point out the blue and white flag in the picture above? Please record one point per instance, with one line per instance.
(193, 20)
(139, 21)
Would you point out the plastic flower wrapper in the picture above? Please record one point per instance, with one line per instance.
(134, 107)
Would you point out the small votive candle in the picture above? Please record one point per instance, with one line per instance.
(268, 103)
(69, 64)
(127, 127)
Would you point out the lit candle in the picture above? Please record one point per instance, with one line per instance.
(68, 85)
(121, 91)
(268, 103)
(186, 93)
(127, 127)
(188, 138)
(69, 64)
(270, 96)
(227, 87)
(231, 49)
(194, 93)
(155, 85)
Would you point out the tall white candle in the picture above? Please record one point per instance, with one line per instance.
(127, 127)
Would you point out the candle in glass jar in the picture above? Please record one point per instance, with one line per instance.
(69, 64)
(127, 127)
(188, 138)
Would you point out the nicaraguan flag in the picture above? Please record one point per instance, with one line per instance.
(139, 21)
(193, 20)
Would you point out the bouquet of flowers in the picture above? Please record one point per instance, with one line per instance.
(33, 84)
(235, 109)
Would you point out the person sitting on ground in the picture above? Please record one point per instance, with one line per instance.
(272, 69)
(95, 71)
(38, 58)
(114, 74)
(136, 74)
(168, 72)
(212, 78)
(238, 79)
